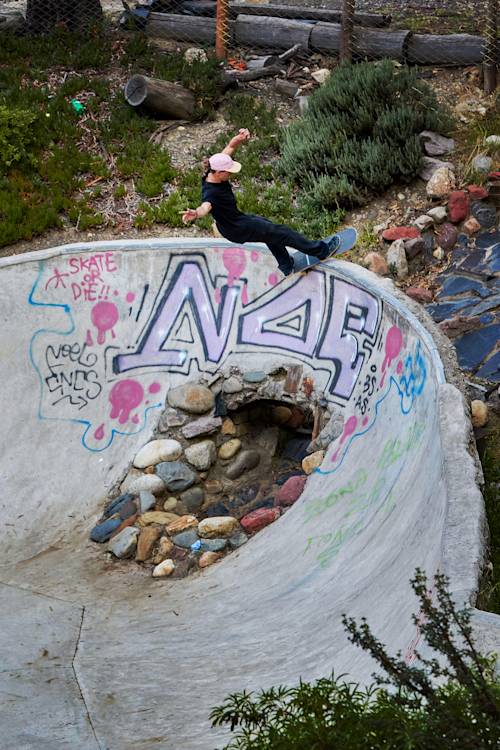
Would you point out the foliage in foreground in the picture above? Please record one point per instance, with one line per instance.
(359, 134)
(441, 702)
(489, 598)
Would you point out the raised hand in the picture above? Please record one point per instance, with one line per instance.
(243, 135)
(190, 214)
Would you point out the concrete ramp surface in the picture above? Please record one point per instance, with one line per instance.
(97, 654)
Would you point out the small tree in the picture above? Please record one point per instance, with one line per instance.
(447, 701)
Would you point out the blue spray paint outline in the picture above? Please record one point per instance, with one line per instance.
(67, 309)
(416, 392)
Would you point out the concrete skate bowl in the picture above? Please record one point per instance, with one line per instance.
(100, 655)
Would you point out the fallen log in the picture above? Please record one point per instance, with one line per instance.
(332, 15)
(370, 43)
(160, 97)
(327, 37)
(278, 33)
(375, 44)
(446, 49)
(187, 28)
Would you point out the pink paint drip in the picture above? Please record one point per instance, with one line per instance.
(99, 433)
(104, 316)
(399, 368)
(365, 421)
(217, 295)
(349, 428)
(135, 419)
(130, 297)
(154, 388)
(273, 278)
(89, 340)
(125, 396)
(393, 345)
(244, 295)
(234, 261)
(116, 292)
(254, 256)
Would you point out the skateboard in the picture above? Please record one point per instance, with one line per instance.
(346, 240)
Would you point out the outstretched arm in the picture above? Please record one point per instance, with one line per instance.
(191, 214)
(243, 135)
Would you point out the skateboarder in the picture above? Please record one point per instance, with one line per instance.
(218, 198)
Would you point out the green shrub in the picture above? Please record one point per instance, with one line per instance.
(157, 171)
(359, 134)
(16, 136)
(83, 216)
(447, 702)
(120, 191)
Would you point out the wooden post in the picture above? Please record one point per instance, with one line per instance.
(347, 27)
(221, 29)
(490, 60)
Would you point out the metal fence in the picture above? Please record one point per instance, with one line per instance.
(437, 33)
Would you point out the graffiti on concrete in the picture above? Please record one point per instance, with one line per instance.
(354, 503)
(107, 360)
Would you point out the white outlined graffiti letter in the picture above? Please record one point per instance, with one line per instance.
(188, 285)
(350, 309)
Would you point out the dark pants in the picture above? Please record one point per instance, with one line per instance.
(277, 237)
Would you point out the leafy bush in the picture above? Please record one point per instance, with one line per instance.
(16, 136)
(445, 702)
(360, 133)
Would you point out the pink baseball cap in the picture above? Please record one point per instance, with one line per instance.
(224, 163)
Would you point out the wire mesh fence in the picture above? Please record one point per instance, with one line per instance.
(435, 33)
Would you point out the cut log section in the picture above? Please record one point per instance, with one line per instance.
(327, 37)
(445, 49)
(277, 33)
(287, 88)
(160, 97)
(11, 20)
(370, 43)
(376, 43)
(207, 8)
(187, 28)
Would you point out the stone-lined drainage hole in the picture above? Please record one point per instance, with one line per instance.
(207, 483)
